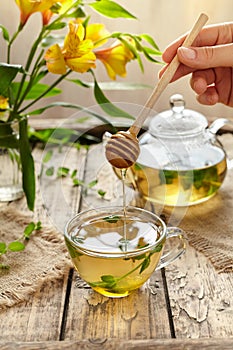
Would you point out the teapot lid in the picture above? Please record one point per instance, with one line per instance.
(178, 120)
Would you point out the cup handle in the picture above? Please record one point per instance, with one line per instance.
(177, 250)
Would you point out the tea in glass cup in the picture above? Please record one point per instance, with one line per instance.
(115, 250)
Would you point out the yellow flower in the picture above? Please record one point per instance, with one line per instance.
(3, 103)
(96, 32)
(55, 61)
(76, 54)
(65, 5)
(28, 7)
(115, 59)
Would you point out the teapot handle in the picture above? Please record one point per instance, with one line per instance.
(218, 124)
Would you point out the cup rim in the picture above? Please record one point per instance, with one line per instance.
(102, 253)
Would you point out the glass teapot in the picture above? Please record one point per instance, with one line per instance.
(181, 161)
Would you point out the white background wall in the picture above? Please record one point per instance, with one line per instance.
(165, 20)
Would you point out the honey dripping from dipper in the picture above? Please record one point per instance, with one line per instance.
(122, 151)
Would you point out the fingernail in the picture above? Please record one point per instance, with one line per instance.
(188, 53)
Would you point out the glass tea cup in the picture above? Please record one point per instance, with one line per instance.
(115, 250)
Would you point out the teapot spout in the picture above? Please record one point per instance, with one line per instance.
(218, 124)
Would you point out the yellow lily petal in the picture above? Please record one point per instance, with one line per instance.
(111, 73)
(82, 64)
(3, 102)
(96, 32)
(54, 60)
(73, 39)
(76, 54)
(28, 7)
(115, 59)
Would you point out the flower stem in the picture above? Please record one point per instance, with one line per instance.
(11, 42)
(46, 91)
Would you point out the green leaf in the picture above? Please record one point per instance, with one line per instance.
(77, 182)
(112, 218)
(35, 91)
(56, 25)
(8, 137)
(69, 105)
(4, 267)
(47, 156)
(58, 136)
(108, 278)
(78, 13)
(16, 246)
(111, 9)
(101, 193)
(138, 166)
(29, 183)
(2, 248)
(50, 171)
(107, 106)
(80, 83)
(74, 173)
(7, 73)
(38, 226)
(5, 33)
(139, 257)
(73, 252)
(151, 41)
(92, 183)
(29, 229)
(62, 172)
(145, 264)
(157, 249)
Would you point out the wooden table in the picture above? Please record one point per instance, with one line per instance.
(187, 305)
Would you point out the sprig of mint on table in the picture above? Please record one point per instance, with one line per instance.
(19, 244)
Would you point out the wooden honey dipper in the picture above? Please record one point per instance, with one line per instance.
(122, 149)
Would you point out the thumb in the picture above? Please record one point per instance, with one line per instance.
(206, 57)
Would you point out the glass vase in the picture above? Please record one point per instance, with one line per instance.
(10, 163)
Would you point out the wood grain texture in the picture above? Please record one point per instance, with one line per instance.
(112, 344)
(141, 315)
(40, 318)
(201, 299)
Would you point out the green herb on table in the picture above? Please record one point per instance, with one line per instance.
(64, 172)
(19, 245)
(101, 193)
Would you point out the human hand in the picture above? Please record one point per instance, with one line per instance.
(210, 60)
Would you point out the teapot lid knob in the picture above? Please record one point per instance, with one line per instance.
(177, 103)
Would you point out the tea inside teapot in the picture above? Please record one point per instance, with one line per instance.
(181, 162)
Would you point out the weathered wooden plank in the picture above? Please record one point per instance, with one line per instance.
(201, 299)
(40, 318)
(112, 344)
(37, 319)
(143, 314)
